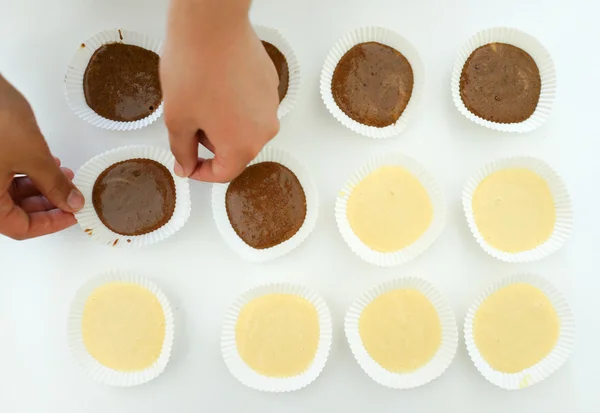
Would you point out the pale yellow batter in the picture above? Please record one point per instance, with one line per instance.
(514, 210)
(389, 209)
(400, 330)
(123, 326)
(515, 328)
(277, 335)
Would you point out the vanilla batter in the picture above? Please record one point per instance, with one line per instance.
(401, 330)
(389, 209)
(123, 326)
(514, 210)
(277, 335)
(515, 328)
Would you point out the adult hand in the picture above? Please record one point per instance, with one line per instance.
(219, 87)
(43, 201)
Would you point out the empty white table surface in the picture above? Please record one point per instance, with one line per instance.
(201, 275)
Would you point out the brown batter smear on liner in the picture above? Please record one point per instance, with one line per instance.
(266, 205)
(281, 65)
(82, 45)
(89, 231)
(500, 83)
(121, 82)
(372, 84)
(134, 197)
(120, 34)
(128, 241)
(116, 242)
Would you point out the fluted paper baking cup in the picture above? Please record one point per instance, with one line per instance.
(274, 37)
(438, 221)
(388, 38)
(552, 362)
(88, 218)
(542, 59)
(219, 193)
(241, 371)
(76, 69)
(562, 205)
(83, 358)
(423, 375)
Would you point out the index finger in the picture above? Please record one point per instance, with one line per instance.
(223, 168)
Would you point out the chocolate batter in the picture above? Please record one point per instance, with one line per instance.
(283, 70)
(500, 83)
(121, 82)
(266, 205)
(372, 84)
(134, 197)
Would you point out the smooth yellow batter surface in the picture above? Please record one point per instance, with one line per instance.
(400, 330)
(277, 335)
(515, 328)
(123, 326)
(514, 210)
(389, 209)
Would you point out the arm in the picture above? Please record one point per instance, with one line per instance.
(43, 201)
(219, 87)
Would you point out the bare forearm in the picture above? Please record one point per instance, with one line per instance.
(209, 15)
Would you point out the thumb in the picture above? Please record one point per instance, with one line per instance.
(54, 185)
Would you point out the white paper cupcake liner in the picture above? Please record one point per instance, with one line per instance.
(562, 204)
(274, 37)
(76, 69)
(219, 192)
(542, 59)
(430, 371)
(92, 367)
(88, 218)
(388, 38)
(241, 371)
(551, 363)
(389, 259)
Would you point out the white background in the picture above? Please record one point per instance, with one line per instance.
(201, 276)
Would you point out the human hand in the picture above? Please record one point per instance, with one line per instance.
(219, 87)
(43, 201)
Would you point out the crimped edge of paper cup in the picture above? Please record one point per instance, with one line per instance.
(88, 218)
(76, 69)
(243, 373)
(274, 37)
(389, 259)
(219, 192)
(542, 59)
(548, 365)
(430, 371)
(562, 204)
(93, 368)
(388, 38)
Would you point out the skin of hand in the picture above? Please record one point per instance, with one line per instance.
(219, 87)
(43, 201)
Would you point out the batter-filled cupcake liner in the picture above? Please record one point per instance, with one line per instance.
(274, 37)
(388, 38)
(552, 362)
(88, 218)
(562, 204)
(219, 193)
(542, 59)
(93, 368)
(436, 196)
(428, 372)
(76, 69)
(241, 371)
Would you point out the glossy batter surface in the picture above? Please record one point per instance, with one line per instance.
(134, 197)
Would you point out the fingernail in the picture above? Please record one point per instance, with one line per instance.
(75, 200)
(179, 170)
